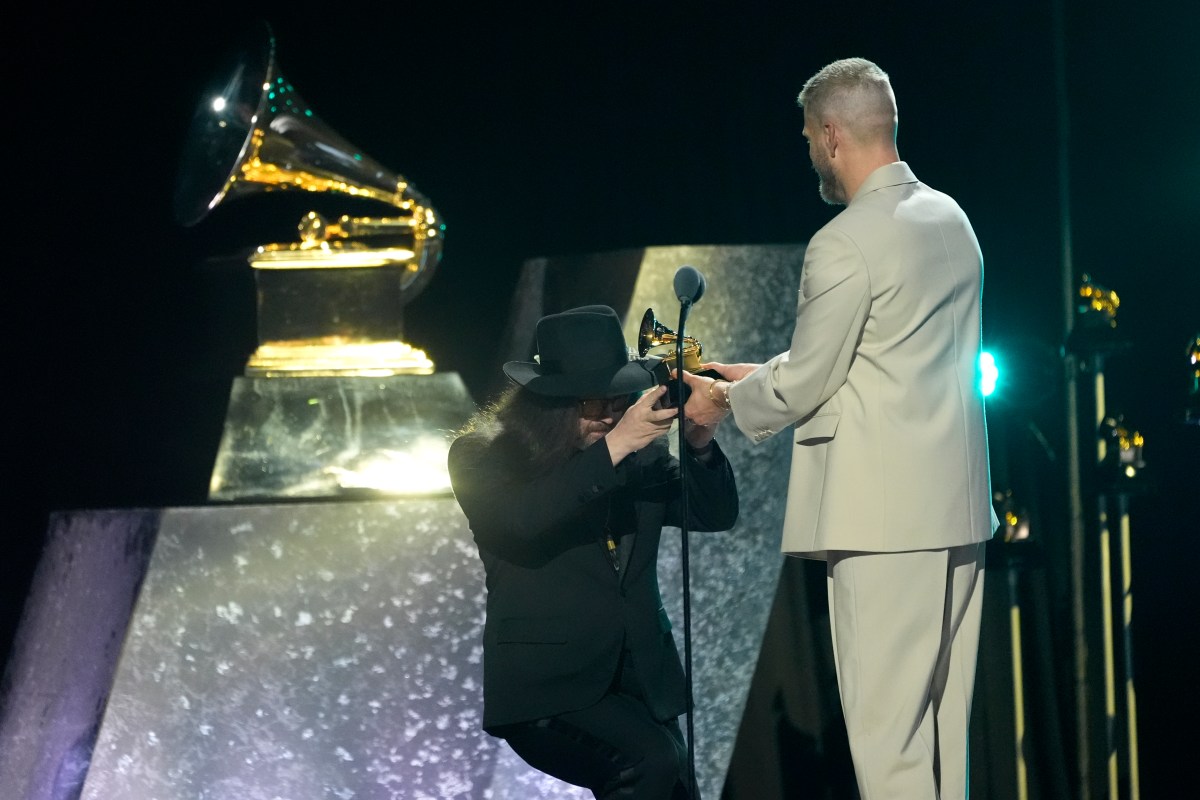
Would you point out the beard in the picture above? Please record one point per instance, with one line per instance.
(828, 185)
(591, 432)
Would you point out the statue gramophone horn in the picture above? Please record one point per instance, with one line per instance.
(656, 339)
(330, 303)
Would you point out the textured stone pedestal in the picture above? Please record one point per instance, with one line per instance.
(338, 437)
(321, 650)
(65, 652)
(300, 650)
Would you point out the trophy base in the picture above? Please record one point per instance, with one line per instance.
(338, 437)
(334, 356)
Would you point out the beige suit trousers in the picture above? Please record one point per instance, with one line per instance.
(905, 636)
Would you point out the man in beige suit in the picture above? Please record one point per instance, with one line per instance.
(889, 477)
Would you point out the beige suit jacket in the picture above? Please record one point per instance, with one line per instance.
(880, 383)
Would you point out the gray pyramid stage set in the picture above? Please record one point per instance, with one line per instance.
(303, 637)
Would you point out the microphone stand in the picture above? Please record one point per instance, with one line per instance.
(684, 307)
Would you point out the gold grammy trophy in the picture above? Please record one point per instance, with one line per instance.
(656, 339)
(333, 403)
(330, 303)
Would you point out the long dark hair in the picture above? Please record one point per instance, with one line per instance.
(533, 430)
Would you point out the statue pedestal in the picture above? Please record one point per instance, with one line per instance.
(338, 437)
(230, 652)
(321, 650)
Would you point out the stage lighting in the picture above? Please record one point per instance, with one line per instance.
(1017, 372)
(1014, 518)
(989, 373)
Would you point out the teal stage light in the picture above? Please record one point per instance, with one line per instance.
(989, 374)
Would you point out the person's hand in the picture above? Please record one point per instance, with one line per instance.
(641, 424)
(698, 436)
(731, 372)
(701, 409)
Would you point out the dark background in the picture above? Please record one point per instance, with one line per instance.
(542, 129)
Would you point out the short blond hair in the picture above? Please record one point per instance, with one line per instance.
(857, 94)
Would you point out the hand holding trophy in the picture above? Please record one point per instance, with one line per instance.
(656, 339)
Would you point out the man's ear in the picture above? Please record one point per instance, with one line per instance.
(832, 138)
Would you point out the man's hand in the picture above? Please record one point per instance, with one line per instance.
(701, 408)
(641, 424)
(731, 372)
(709, 401)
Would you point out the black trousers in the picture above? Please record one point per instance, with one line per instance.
(615, 747)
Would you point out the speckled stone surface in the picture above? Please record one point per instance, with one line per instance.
(65, 652)
(302, 651)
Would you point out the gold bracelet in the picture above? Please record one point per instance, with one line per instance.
(713, 398)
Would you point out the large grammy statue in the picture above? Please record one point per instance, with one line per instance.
(333, 401)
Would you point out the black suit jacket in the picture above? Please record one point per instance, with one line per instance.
(558, 613)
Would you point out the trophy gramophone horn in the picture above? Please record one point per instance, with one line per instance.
(656, 339)
(342, 285)
(252, 132)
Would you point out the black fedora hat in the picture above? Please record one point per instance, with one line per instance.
(582, 353)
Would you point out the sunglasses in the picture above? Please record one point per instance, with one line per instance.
(600, 407)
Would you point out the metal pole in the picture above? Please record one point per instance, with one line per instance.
(1110, 692)
(1014, 618)
(685, 558)
(1130, 695)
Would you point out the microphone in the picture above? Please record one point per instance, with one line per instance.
(689, 285)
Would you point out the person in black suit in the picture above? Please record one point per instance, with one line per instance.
(567, 482)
